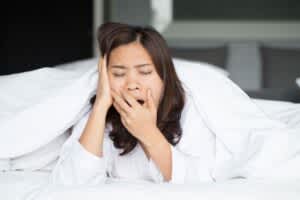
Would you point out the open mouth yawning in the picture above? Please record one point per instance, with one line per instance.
(140, 101)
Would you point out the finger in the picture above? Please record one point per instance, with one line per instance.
(119, 109)
(150, 100)
(104, 63)
(124, 122)
(100, 62)
(130, 99)
(121, 102)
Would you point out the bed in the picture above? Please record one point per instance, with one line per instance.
(26, 185)
(32, 184)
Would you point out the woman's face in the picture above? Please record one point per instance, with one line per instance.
(131, 68)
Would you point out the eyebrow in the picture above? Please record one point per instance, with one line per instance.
(124, 67)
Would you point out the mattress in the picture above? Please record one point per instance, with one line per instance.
(33, 185)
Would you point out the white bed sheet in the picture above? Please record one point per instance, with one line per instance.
(33, 185)
(15, 184)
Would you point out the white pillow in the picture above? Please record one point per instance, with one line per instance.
(180, 61)
(298, 81)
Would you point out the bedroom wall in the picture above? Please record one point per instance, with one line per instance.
(40, 34)
(203, 28)
(45, 33)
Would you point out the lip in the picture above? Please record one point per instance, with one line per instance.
(139, 99)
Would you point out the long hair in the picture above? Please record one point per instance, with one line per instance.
(112, 35)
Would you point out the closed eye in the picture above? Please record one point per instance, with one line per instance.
(145, 73)
(122, 74)
(118, 75)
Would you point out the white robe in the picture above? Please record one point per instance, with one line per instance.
(78, 166)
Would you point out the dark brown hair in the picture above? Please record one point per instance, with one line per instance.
(112, 35)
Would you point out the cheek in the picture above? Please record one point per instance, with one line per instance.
(157, 91)
(115, 84)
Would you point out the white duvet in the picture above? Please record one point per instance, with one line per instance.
(256, 139)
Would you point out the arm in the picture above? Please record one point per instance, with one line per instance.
(172, 165)
(137, 119)
(92, 137)
(160, 152)
(81, 159)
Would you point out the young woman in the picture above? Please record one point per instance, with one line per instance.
(135, 122)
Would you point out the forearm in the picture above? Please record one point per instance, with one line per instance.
(93, 133)
(160, 152)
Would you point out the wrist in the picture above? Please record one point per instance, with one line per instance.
(100, 108)
(153, 138)
(100, 105)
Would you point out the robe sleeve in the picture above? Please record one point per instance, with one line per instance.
(185, 169)
(76, 165)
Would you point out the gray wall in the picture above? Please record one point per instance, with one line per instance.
(135, 12)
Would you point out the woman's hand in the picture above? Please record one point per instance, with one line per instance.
(103, 95)
(139, 120)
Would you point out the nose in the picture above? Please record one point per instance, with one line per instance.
(132, 83)
(132, 87)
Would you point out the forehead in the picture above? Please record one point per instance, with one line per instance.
(130, 55)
